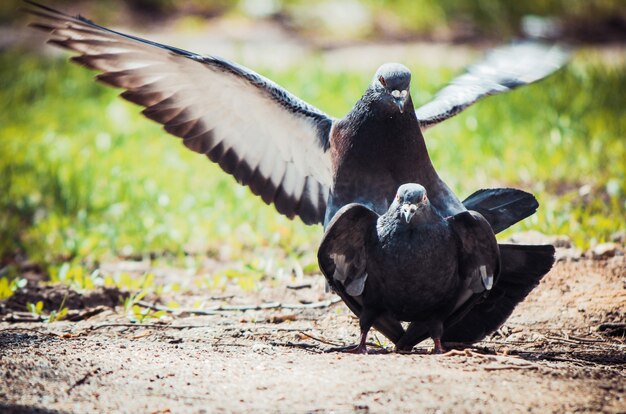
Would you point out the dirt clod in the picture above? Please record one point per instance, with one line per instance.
(53, 296)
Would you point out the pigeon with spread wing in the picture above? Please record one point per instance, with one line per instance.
(291, 154)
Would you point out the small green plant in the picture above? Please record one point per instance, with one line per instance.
(10, 284)
(37, 309)
(57, 315)
(75, 275)
(136, 313)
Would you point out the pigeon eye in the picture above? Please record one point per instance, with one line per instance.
(404, 93)
(382, 81)
(396, 93)
(424, 199)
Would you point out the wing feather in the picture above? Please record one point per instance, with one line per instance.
(342, 258)
(255, 130)
(502, 70)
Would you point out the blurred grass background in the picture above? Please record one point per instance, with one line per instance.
(458, 20)
(85, 178)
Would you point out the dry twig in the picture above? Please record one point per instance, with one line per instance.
(298, 287)
(503, 367)
(216, 310)
(324, 341)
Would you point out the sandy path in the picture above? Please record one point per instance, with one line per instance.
(557, 360)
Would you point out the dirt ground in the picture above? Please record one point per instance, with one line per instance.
(563, 350)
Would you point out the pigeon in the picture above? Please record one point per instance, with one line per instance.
(410, 262)
(291, 154)
(378, 128)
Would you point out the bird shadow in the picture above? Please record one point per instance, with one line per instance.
(608, 358)
(23, 409)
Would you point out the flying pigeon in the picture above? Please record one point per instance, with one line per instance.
(290, 153)
(410, 262)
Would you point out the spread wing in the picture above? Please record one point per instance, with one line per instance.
(502, 70)
(342, 258)
(265, 137)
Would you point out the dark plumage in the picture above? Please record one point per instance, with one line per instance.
(409, 263)
(379, 129)
(290, 153)
(522, 268)
(502, 207)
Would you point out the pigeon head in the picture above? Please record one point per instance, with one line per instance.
(392, 81)
(410, 200)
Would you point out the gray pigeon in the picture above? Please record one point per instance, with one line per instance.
(409, 263)
(290, 153)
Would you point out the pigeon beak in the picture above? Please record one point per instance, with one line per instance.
(400, 104)
(408, 211)
(400, 98)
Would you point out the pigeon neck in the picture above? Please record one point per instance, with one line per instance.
(375, 150)
(385, 138)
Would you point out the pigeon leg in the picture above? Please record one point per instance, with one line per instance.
(439, 349)
(368, 317)
(366, 321)
(416, 332)
(436, 331)
(361, 348)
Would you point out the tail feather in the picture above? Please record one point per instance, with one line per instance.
(502, 207)
(522, 269)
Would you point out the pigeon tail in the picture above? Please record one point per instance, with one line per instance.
(502, 207)
(522, 269)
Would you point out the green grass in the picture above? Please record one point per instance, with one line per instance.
(564, 139)
(86, 178)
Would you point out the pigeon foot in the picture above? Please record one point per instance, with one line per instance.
(359, 349)
(350, 349)
(439, 349)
